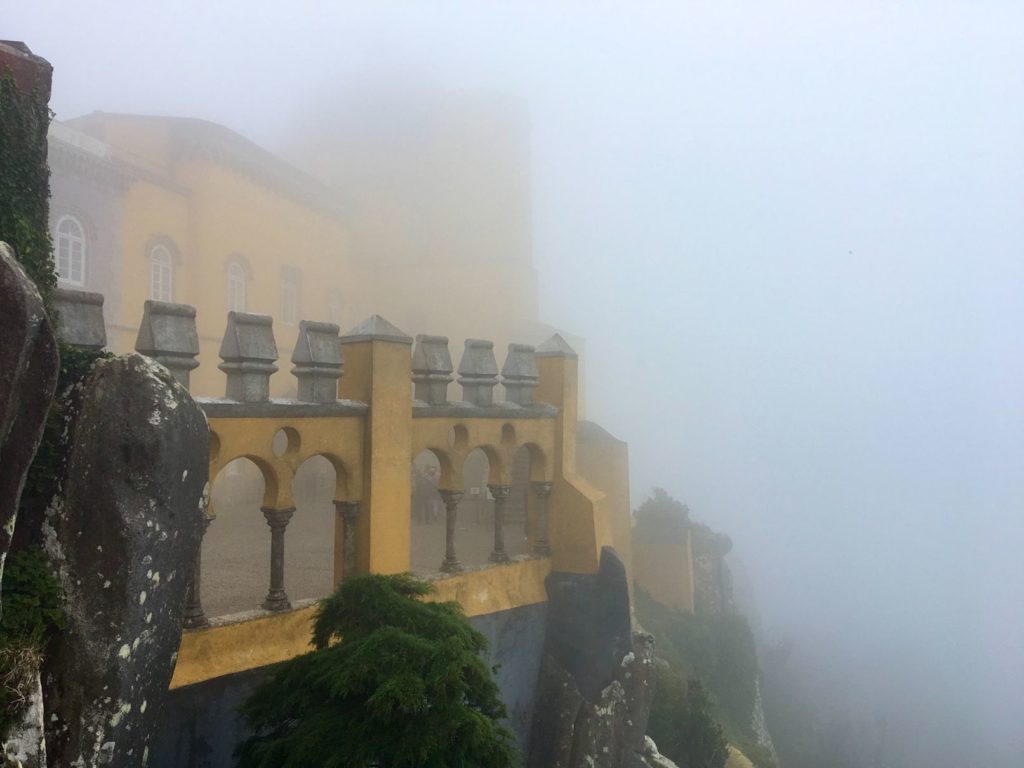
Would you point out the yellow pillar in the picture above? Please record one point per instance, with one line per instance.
(577, 525)
(604, 461)
(378, 372)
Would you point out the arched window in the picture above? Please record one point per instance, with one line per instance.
(236, 287)
(70, 251)
(161, 274)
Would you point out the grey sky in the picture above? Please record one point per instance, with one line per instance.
(793, 237)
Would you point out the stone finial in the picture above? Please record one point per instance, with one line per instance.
(519, 374)
(478, 372)
(556, 346)
(249, 352)
(80, 318)
(431, 368)
(376, 328)
(168, 335)
(318, 362)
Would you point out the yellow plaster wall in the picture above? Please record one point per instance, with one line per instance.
(499, 438)
(149, 210)
(381, 375)
(338, 438)
(230, 648)
(604, 462)
(664, 568)
(579, 524)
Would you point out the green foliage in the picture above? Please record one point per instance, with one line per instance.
(394, 682)
(718, 649)
(661, 515)
(32, 613)
(25, 181)
(683, 723)
(32, 599)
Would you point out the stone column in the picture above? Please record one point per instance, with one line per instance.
(277, 519)
(500, 494)
(195, 616)
(346, 515)
(451, 501)
(540, 540)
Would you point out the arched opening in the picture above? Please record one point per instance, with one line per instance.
(69, 251)
(517, 511)
(309, 565)
(161, 273)
(476, 515)
(236, 548)
(427, 513)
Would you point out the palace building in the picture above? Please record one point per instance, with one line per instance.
(187, 211)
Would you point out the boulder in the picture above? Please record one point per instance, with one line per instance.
(122, 535)
(28, 376)
(597, 678)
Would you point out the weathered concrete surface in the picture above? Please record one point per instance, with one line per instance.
(123, 538)
(28, 376)
(597, 679)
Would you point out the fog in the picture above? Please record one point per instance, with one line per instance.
(791, 236)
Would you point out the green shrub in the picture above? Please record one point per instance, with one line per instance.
(25, 181)
(683, 723)
(663, 516)
(394, 682)
(32, 612)
(717, 649)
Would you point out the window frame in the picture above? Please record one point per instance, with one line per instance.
(237, 282)
(71, 239)
(161, 263)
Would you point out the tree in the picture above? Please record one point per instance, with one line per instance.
(394, 682)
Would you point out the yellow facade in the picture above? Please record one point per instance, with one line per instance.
(663, 567)
(228, 647)
(215, 199)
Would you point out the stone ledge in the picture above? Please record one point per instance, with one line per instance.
(243, 641)
(222, 408)
(464, 410)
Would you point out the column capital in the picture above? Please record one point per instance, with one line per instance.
(499, 491)
(541, 487)
(277, 517)
(450, 498)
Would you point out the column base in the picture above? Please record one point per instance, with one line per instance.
(451, 565)
(277, 600)
(542, 548)
(499, 557)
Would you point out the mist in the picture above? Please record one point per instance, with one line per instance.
(790, 235)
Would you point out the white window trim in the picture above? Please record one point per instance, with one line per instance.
(161, 265)
(238, 287)
(70, 239)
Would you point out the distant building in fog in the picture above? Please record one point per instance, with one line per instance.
(426, 222)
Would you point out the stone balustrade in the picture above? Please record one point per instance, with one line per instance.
(369, 401)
